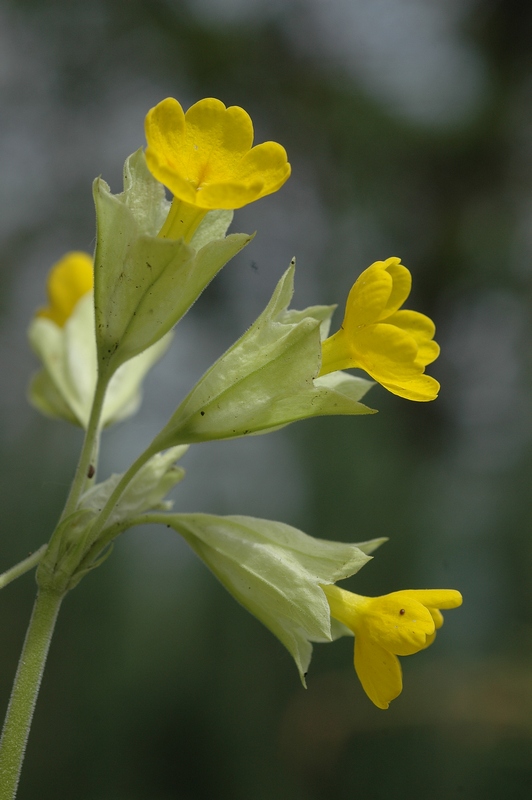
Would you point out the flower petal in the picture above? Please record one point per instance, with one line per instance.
(229, 194)
(435, 598)
(420, 389)
(165, 133)
(402, 284)
(386, 352)
(422, 329)
(268, 160)
(437, 616)
(379, 672)
(397, 622)
(216, 140)
(368, 297)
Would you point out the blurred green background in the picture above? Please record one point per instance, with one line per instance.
(409, 127)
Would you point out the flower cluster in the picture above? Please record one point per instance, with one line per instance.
(111, 316)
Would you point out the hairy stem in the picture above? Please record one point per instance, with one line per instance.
(25, 691)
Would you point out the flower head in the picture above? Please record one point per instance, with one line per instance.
(205, 157)
(397, 624)
(64, 338)
(69, 279)
(391, 344)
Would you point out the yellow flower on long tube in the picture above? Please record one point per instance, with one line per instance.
(391, 344)
(68, 281)
(206, 158)
(397, 624)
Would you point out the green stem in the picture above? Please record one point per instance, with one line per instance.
(128, 476)
(109, 534)
(89, 450)
(25, 690)
(22, 567)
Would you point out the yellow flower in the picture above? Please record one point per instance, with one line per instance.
(393, 346)
(69, 279)
(397, 624)
(205, 157)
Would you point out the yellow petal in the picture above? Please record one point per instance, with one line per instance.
(69, 279)
(379, 672)
(437, 616)
(165, 133)
(229, 194)
(216, 140)
(386, 352)
(368, 297)
(434, 598)
(269, 160)
(397, 622)
(402, 284)
(205, 156)
(422, 329)
(420, 389)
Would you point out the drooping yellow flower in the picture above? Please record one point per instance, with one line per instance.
(68, 280)
(393, 346)
(396, 624)
(205, 157)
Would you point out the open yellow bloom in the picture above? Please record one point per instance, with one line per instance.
(397, 624)
(205, 157)
(393, 346)
(69, 279)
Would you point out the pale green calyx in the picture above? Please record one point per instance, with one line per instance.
(145, 492)
(275, 571)
(78, 545)
(144, 283)
(65, 387)
(267, 379)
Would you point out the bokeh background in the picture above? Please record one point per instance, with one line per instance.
(409, 127)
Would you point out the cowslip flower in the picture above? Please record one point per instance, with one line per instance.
(391, 344)
(63, 336)
(266, 379)
(206, 159)
(397, 624)
(144, 283)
